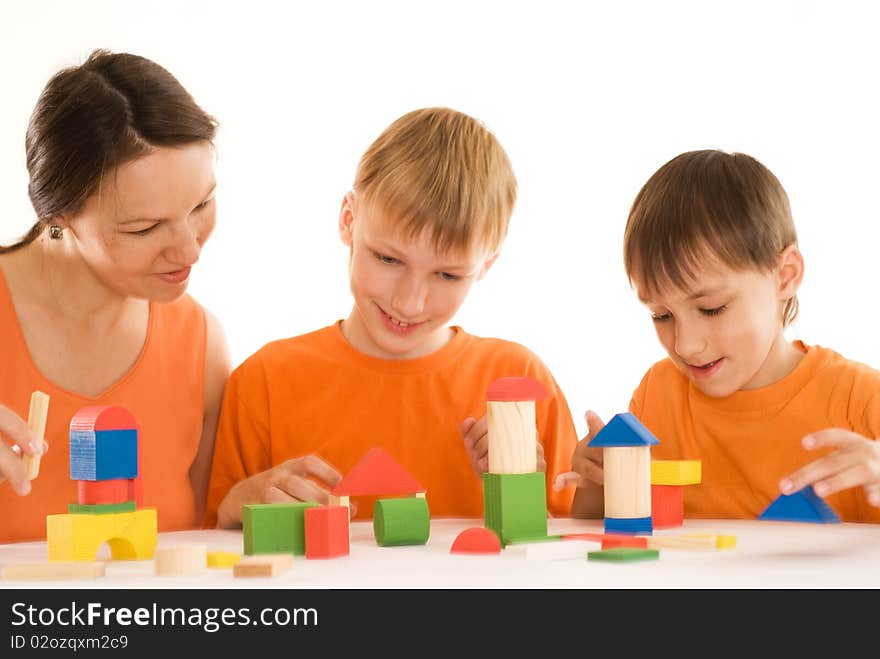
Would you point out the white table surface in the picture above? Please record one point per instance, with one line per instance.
(767, 555)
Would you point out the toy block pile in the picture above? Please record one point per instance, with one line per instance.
(514, 491)
(104, 461)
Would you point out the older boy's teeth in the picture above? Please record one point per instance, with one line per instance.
(398, 323)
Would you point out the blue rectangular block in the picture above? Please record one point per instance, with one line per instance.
(103, 455)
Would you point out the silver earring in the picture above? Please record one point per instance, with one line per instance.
(55, 232)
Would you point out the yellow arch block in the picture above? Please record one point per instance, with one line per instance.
(676, 472)
(77, 537)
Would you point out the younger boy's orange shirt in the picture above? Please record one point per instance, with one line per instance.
(749, 441)
(316, 394)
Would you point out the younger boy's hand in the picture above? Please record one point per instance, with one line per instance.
(293, 480)
(854, 463)
(586, 462)
(475, 434)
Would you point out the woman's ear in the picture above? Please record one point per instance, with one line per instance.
(346, 219)
(790, 272)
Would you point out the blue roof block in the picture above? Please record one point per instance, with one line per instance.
(802, 506)
(624, 429)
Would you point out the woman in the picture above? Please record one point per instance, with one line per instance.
(93, 302)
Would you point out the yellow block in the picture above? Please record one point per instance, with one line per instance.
(77, 537)
(676, 472)
(223, 558)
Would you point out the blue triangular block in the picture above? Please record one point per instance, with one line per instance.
(624, 429)
(802, 506)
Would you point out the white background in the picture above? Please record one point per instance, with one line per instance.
(588, 98)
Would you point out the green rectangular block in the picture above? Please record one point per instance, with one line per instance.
(515, 505)
(274, 528)
(622, 554)
(101, 508)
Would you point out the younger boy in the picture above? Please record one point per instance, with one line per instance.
(711, 250)
(426, 218)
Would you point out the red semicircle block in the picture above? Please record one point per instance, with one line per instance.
(476, 540)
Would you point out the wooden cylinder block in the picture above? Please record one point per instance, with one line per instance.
(627, 481)
(513, 437)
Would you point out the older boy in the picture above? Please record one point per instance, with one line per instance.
(426, 218)
(711, 250)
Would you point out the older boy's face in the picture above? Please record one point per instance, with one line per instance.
(405, 291)
(725, 331)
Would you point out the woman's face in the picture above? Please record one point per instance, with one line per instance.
(142, 231)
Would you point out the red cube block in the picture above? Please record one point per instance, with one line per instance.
(667, 506)
(326, 529)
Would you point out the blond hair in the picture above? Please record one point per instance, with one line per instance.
(440, 170)
(707, 202)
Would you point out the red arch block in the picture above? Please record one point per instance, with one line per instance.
(476, 540)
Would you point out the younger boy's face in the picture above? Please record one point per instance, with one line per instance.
(725, 330)
(405, 291)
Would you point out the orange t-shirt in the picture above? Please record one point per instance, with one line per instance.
(316, 394)
(748, 441)
(165, 391)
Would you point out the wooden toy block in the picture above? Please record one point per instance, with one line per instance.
(676, 472)
(181, 559)
(222, 559)
(595, 537)
(722, 541)
(524, 539)
(327, 531)
(377, 474)
(667, 506)
(623, 429)
(100, 508)
(512, 430)
(103, 454)
(612, 540)
(401, 521)
(623, 555)
(53, 571)
(631, 525)
(130, 535)
(263, 565)
(802, 506)
(103, 417)
(627, 481)
(551, 551)
(115, 490)
(274, 528)
(515, 505)
(37, 414)
(684, 542)
(476, 540)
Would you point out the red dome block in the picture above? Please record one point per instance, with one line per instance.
(513, 389)
(476, 540)
(103, 417)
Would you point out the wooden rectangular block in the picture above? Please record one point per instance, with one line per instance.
(262, 565)
(39, 410)
(53, 570)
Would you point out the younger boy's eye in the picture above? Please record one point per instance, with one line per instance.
(390, 260)
(445, 276)
(660, 317)
(713, 312)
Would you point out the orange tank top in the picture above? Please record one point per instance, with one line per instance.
(164, 389)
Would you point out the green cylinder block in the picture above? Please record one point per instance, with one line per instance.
(401, 521)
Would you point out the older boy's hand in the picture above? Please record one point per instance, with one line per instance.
(293, 480)
(854, 463)
(12, 467)
(476, 442)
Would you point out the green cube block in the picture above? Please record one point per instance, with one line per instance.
(515, 505)
(274, 528)
(622, 554)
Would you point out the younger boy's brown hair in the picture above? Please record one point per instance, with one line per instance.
(704, 203)
(444, 171)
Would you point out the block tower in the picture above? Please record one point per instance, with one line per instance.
(626, 456)
(514, 491)
(104, 461)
